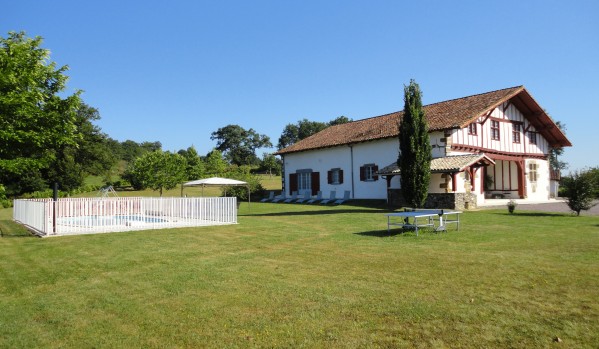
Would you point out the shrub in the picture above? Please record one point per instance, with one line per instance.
(242, 173)
(580, 190)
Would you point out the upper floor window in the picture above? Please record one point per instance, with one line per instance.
(516, 129)
(368, 172)
(532, 137)
(495, 130)
(472, 129)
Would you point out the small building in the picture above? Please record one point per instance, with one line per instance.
(489, 145)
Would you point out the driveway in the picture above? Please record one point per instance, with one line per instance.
(558, 205)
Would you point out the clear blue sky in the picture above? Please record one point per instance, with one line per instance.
(175, 71)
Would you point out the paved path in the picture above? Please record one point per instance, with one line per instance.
(554, 206)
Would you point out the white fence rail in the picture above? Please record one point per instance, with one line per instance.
(101, 215)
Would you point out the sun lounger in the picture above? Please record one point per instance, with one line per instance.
(345, 198)
(307, 196)
(317, 198)
(292, 198)
(331, 198)
(270, 197)
(279, 198)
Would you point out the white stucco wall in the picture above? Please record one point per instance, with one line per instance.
(380, 153)
(541, 189)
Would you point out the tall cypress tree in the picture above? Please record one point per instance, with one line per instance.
(414, 148)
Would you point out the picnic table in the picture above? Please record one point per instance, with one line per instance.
(423, 218)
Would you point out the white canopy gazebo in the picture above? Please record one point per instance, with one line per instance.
(218, 182)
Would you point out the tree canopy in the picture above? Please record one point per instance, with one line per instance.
(239, 145)
(35, 119)
(554, 153)
(157, 170)
(414, 148)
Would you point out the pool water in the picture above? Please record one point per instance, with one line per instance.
(93, 221)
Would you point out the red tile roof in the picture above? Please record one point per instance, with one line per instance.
(447, 164)
(455, 113)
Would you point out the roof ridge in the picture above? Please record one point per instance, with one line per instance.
(445, 101)
(477, 94)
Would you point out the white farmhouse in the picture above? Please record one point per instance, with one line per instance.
(490, 145)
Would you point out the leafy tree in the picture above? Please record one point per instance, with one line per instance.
(35, 119)
(239, 145)
(581, 190)
(243, 173)
(131, 150)
(414, 148)
(91, 154)
(340, 120)
(271, 164)
(157, 170)
(4, 202)
(215, 164)
(195, 166)
(554, 153)
(293, 133)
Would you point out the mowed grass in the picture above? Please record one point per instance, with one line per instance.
(307, 276)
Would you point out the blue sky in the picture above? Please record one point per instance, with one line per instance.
(175, 71)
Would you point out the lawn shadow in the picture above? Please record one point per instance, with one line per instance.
(10, 229)
(383, 233)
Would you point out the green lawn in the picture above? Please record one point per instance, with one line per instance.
(307, 276)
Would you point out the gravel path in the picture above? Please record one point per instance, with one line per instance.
(557, 206)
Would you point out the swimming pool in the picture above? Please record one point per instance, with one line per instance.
(93, 221)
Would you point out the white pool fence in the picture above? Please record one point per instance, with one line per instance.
(71, 216)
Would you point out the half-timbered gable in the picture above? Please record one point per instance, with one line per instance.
(504, 129)
(507, 132)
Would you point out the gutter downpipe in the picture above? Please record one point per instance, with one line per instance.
(351, 152)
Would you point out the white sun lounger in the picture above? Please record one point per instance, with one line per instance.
(331, 198)
(345, 198)
(317, 198)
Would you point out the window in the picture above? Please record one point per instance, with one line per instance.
(532, 137)
(532, 172)
(516, 133)
(304, 180)
(472, 129)
(335, 176)
(495, 130)
(368, 173)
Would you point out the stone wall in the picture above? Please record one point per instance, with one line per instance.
(456, 201)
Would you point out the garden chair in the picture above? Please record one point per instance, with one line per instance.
(331, 198)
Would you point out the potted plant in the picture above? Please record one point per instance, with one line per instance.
(511, 206)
